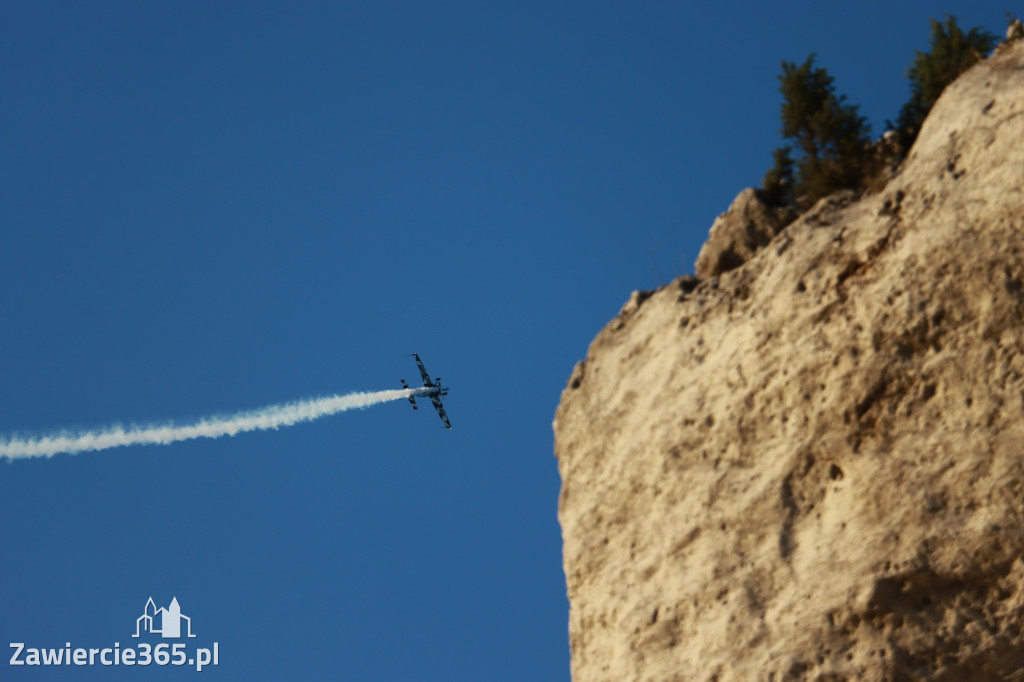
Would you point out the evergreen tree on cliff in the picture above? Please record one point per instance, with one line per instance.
(830, 136)
(777, 186)
(952, 52)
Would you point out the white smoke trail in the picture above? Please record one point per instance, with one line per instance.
(272, 417)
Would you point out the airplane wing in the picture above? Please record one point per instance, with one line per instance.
(411, 398)
(440, 411)
(423, 371)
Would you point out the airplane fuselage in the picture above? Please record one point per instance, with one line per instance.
(432, 388)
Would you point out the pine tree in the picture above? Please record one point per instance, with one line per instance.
(952, 52)
(831, 137)
(778, 181)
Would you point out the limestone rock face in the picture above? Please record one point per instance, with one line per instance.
(812, 466)
(735, 235)
(1015, 31)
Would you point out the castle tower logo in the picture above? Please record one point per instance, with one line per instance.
(169, 620)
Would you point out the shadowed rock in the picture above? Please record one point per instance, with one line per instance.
(748, 225)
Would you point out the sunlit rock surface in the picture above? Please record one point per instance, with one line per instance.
(811, 467)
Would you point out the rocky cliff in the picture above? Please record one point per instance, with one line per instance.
(811, 467)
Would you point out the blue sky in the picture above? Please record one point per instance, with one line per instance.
(207, 207)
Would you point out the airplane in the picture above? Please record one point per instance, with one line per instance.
(432, 390)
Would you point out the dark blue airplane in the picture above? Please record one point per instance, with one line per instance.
(432, 390)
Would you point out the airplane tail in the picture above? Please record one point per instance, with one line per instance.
(411, 399)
